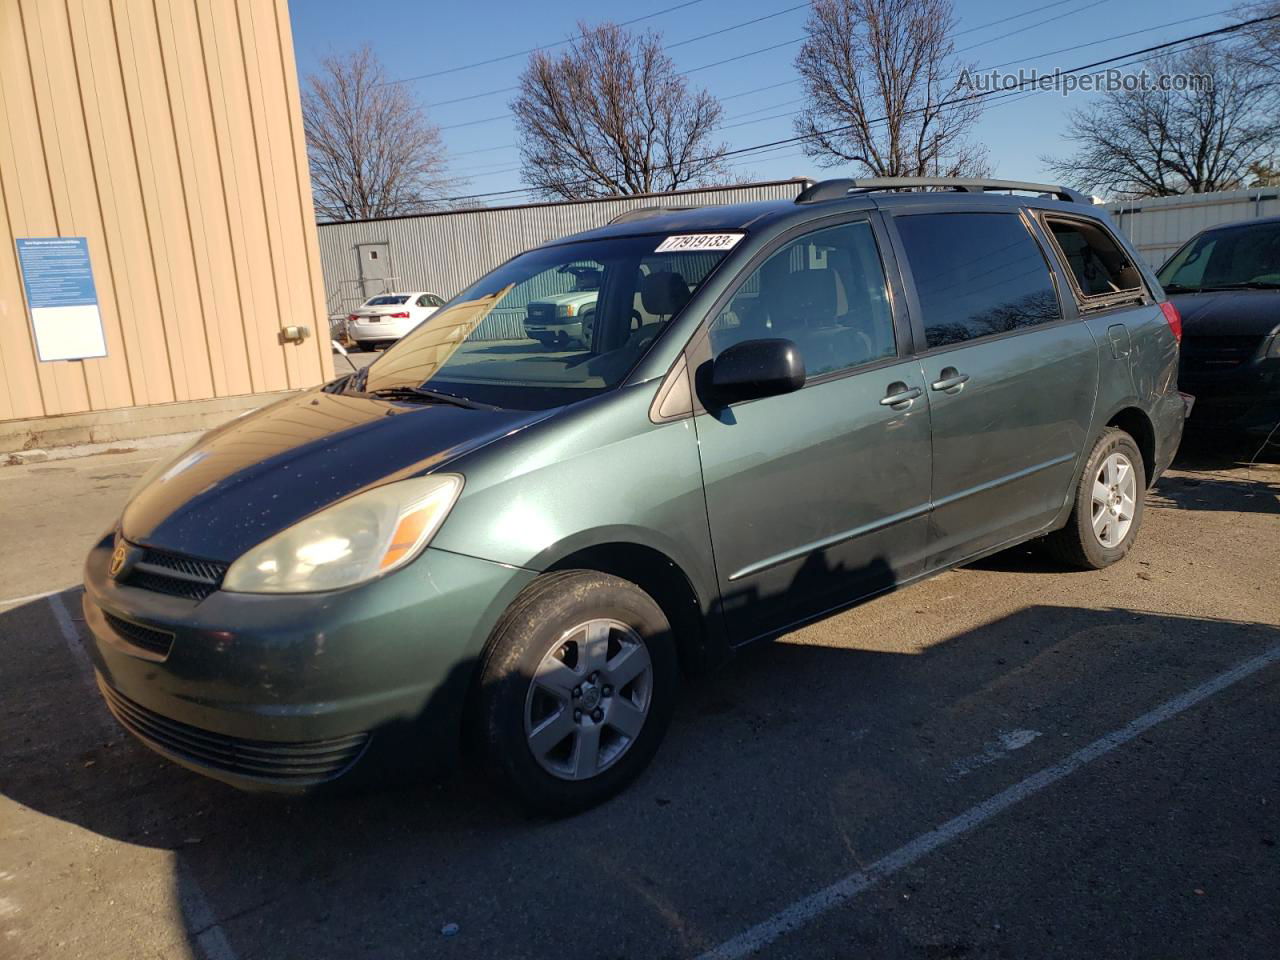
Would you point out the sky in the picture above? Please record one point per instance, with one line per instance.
(413, 38)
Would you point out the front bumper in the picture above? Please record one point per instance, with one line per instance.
(569, 327)
(290, 692)
(1244, 399)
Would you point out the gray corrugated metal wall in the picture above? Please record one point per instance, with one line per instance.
(1158, 226)
(446, 252)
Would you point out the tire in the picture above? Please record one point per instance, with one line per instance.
(1077, 544)
(533, 742)
(364, 347)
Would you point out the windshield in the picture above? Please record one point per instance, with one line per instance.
(1246, 256)
(549, 327)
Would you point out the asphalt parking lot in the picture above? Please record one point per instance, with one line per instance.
(1010, 760)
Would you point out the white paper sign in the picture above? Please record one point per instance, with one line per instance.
(699, 241)
(58, 279)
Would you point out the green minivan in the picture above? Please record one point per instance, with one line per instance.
(489, 543)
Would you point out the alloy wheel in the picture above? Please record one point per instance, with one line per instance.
(588, 699)
(1114, 496)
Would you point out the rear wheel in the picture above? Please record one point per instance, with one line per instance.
(576, 690)
(1108, 506)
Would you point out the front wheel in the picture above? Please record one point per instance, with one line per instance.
(577, 690)
(1107, 512)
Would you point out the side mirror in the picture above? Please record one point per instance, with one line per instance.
(757, 368)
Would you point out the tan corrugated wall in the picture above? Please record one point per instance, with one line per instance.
(169, 133)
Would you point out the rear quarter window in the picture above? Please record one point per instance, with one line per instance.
(976, 275)
(1098, 264)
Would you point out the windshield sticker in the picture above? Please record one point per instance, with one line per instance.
(699, 241)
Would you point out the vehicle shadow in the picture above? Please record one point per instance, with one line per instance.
(799, 758)
(1220, 472)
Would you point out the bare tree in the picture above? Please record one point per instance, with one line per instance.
(885, 90)
(1262, 46)
(612, 116)
(372, 150)
(1164, 139)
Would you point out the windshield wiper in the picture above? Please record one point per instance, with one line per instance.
(423, 395)
(1244, 285)
(1179, 288)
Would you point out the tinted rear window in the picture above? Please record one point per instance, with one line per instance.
(387, 302)
(976, 274)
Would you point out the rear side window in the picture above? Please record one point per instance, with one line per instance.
(976, 275)
(1098, 264)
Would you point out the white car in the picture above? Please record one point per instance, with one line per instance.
(384, 319)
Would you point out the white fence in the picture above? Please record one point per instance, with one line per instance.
(1158, 226)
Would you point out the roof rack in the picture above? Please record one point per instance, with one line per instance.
(644, 213)
(838, 189)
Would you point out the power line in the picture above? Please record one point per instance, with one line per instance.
(1118, 36)
(1032, 26)
(1015, 16)
(1001, 94)
(743, 56)
(472, 123)
(736, 26)
(545, 46)
(668, 46)
(772, 86)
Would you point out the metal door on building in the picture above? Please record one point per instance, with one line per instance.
(375, 271)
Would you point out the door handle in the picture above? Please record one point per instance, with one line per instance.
(900, 396)
(950, 380)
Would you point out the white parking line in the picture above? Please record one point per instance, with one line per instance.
(199, 915)
(815, 905)
(14, 601)
(195, 905)
(72, 636)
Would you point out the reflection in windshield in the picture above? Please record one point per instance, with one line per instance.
(418, 356)
(549, 327)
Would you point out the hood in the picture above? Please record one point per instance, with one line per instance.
(258, 475)
(575, 297)
(1228, 313)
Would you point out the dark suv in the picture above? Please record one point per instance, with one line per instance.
(781, 409)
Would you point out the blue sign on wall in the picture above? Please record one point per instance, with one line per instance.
(58, 279)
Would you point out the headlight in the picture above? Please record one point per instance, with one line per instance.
(1273, 349)
(564, 310)
(369, 534)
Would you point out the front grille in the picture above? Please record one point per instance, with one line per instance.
(176, 575)
(1217, 353)
(154, 641)
(301, 764)
(542, 312)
